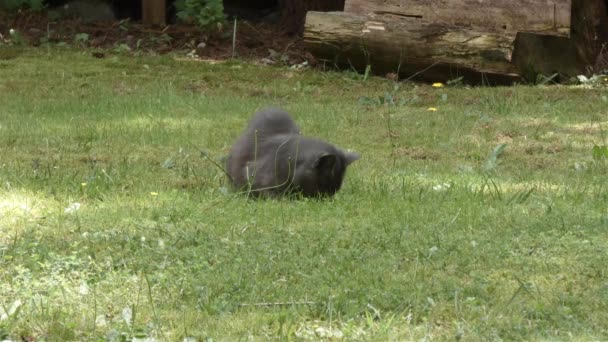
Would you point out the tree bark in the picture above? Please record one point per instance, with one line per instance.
(551, 17)
(154, 12)
(409, 46)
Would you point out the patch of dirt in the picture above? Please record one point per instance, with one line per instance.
(94, 159)
(259, 41)
(417, 153)
(505, 138)
(537, 148)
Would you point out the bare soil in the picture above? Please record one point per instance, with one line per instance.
(254, 40)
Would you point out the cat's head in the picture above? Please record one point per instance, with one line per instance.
(323, 173)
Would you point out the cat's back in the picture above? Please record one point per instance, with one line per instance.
(272, 121)
(267, 130)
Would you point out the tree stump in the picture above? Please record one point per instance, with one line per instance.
(582, 53)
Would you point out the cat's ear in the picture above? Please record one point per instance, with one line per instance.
(350, 157)
(325, 162)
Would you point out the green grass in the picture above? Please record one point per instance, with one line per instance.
(425, 240)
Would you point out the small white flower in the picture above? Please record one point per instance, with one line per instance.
(11, 31)
(101, 321)
(582, 79)
(144, 339)
(72, 208)
(24, 207)
(329, 332)
(84, 289)
(441, 187)
(11, 311)
(433, 249)
(127, 314)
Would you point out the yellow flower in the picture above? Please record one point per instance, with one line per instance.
(154, 193)
(83, 184)
(432, 109)
(438, 85)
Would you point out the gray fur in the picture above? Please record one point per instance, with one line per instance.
(264, 158)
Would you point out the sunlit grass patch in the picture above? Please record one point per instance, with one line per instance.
(14, 206)
(18, 209)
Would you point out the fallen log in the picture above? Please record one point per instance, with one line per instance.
(550, 17)
(409, 46)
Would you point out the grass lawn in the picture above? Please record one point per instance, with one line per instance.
(113, 226)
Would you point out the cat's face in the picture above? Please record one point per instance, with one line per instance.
(323, 174)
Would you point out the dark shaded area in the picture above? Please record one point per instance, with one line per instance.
(589, 30)
(261, 10)
(252, 6)
(425, 73)
(122, 8)
(289, 13)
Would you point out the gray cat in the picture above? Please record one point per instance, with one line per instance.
(271, 158)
